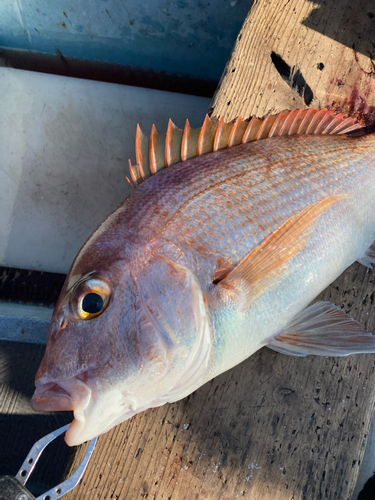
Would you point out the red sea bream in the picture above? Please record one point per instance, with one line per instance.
(210, 259)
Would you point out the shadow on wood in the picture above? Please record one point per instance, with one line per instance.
(351, 25)
(20, 427)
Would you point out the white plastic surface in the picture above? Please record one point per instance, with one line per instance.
(64, 149)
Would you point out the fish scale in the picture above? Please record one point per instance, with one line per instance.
(266, 199)
(210, 259)
(340, 172)
(193, 221)
(317, 265)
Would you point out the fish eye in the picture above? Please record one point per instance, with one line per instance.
(92, 303)
(91, 298)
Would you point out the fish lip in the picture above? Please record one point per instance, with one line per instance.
(74, 393)
(50, 396)
(75, 428)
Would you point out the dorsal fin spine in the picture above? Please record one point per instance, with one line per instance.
(206, 136)
(297, 118)
(141, 153)
(185, 141)
(222, 135)
(310, 113)
(278, 124)
(202, 135)
(315, 122)
(288, 122)
(234, 133)
(152, 154)
(324, 122)
(340, 127)
(265, 127)
(335, 121)
(177, 145)
(173, 144)
(251, 130)
(133, 169)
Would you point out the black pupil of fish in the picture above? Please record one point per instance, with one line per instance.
(92, 303)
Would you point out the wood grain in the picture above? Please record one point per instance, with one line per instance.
(274, 427)
(325, 44)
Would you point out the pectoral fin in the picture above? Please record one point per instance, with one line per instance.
(324, 330)
(369, 256)
(266, 263)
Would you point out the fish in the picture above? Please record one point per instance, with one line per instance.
(230, 233)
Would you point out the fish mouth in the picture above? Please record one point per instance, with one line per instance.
(74, 394)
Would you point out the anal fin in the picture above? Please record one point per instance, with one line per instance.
(323, 329)
(368, 257)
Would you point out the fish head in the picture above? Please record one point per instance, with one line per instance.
(124, 336)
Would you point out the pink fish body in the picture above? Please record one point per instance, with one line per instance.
(206, 262)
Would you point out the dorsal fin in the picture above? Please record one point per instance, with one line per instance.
(176, 145)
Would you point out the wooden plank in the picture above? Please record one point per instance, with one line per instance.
(273, 427)
(325, 47)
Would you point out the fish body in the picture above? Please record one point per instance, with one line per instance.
(201, 266)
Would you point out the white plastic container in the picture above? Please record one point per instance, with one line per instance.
(64, 146)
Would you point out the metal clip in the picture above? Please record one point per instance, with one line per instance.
(28, 466)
